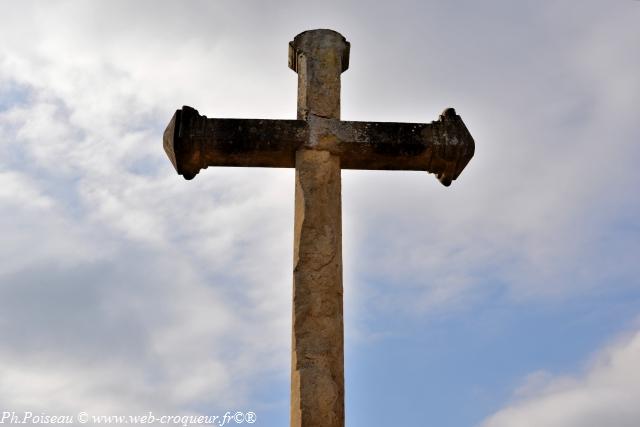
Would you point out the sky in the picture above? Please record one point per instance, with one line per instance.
(511, 298)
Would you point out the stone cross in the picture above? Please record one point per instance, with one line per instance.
(318, 144)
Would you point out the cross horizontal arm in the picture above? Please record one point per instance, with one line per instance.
(194, 142)
(443, 147)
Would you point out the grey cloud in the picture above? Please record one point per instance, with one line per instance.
(547, 90)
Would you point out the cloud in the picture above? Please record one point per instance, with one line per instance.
(125, 286)
(606, 394)
(124, 325)
(550, 109)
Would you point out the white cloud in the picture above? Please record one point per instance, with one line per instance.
(608, 393)
(125, 288)
(176, 280)
(18, 189)
(552, 175)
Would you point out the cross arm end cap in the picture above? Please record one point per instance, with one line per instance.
(454, 147)
(181, 151)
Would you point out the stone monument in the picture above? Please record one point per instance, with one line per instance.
(318, 145)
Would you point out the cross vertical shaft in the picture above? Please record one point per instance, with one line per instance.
(317, 360)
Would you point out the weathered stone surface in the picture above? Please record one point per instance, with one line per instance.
(194, 142)
(317, 368)
(443, 147)
(319, 57)
(317, 376)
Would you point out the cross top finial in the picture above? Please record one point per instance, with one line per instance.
(308, 41)
(319, 57)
